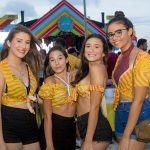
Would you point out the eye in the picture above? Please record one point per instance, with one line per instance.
(51, 60)
(28, 42)
(118, 32)
(110, 35)
(87, 46)
(60, 58)
(18, 41)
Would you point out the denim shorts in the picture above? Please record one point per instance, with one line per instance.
(122, 113)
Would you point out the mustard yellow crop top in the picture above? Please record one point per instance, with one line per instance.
(16, 91)
(84, 89)
(141, 74)
(57, 93)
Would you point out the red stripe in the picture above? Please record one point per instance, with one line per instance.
(46, 33)
(78, 29)
(4, 24)
(46, 15)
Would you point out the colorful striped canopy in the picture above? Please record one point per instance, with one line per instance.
(47, 25)
(6, 20)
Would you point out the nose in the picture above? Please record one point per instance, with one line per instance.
(56, 62)
(91, 49)
(23, 45)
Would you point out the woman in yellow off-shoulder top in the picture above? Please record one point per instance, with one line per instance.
(59, 99)
(132, 80)
(90, 81)
(19, 66)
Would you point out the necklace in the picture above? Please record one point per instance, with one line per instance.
(19, 72)
(67, 84)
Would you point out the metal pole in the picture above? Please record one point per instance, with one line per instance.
(85, 19)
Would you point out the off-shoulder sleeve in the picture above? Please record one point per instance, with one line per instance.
(98, 88)
(142, 71)
(46, 91)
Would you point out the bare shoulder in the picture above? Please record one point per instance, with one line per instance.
(98, 68)
(98, 74)
(49, 79)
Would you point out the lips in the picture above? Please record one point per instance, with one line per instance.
(91, 55)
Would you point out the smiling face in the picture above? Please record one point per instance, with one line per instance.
(119, 36)
(94, 49)
(57, 61)
(20, 44)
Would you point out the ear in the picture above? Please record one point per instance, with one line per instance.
(8, 43)
(130, 31)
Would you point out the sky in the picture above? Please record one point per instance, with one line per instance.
(138, 11)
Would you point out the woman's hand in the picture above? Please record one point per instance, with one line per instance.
(87, 146)
(124, 143)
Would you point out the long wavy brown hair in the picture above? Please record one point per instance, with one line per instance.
(84, 66)
(32, 58)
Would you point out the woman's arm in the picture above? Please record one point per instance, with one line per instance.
(48, 124)
(97, 77)
(141, 78)
(2, 83)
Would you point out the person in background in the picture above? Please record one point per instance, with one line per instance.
(73, 60)
(19, 68)
(131, 78)
(73, 51)
(90, 82)
(59, 102)
(142, 44)
(41, 72)
(111, 61)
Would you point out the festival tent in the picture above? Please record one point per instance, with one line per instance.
(5, 22)
(63, 17)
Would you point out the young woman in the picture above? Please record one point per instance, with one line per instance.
(90, 80)
(132, 79)
(18, 71)
(59, 103)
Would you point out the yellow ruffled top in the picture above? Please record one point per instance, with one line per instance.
(57, 93)
(84, 89)
(141, 73)
(16, 91)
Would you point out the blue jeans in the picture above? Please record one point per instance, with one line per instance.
(122, 113)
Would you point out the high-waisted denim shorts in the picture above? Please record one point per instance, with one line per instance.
(122, 113)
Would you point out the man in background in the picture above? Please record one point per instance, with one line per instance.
(142, 44)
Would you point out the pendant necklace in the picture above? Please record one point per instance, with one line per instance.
(67, 84)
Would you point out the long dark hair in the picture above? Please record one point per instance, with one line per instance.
(84, 66)
(48, 71)
(32, 58)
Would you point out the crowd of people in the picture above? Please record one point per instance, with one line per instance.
(70, 90)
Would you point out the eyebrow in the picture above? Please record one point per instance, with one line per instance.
(58, 56)
(22, 39)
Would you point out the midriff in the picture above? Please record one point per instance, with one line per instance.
(22, 105)
(125, 98)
